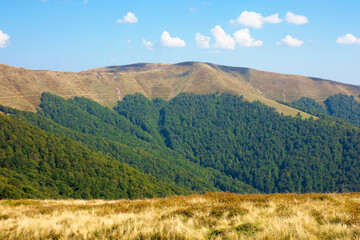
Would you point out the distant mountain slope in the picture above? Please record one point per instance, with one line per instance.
(338, 106)
(21, 88)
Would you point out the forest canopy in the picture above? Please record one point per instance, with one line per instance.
(192, 143)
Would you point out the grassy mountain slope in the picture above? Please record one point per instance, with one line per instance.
(22, 88)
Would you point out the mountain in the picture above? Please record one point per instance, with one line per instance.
(197, 143)
(152, 130)
(21, 88)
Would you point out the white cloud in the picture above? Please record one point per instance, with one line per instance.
(223, 40)
(274, 19)
(295, 19)
(128, 18)
(243, 38)
(255, 20)
(149, 45)
(249, 19)
(348, 39)
(169, 41)
(4, 39)
(290, 41)
(202, 41)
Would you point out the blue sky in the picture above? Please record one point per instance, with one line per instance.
(313, 38)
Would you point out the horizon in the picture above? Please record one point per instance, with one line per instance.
(315, 39)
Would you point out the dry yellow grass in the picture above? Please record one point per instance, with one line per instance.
(209, 216)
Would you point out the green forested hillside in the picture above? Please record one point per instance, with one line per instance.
(210, 142)
(253, 143)
(147, 157)
(36, 164)
(309, 105)
(339, 106)
(344, 107)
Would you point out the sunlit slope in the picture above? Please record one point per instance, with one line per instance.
(292, 87)
(21, 88)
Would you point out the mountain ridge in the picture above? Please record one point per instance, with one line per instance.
(21, 88)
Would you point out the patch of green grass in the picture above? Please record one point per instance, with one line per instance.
(247, 229)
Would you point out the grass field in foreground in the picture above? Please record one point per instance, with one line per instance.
(209, 216)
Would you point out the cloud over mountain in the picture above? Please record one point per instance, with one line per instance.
(348, 39)
(4, 39)
(222, 39)
(290, 41)
(296, 19)
(128, 18)
(169, 41)
(243, 38)
(274, 19)
(202, 41)
(255, 20)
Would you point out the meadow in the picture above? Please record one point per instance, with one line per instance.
(208, 216)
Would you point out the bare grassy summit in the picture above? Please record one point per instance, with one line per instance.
(209, 216)
(21, 88)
